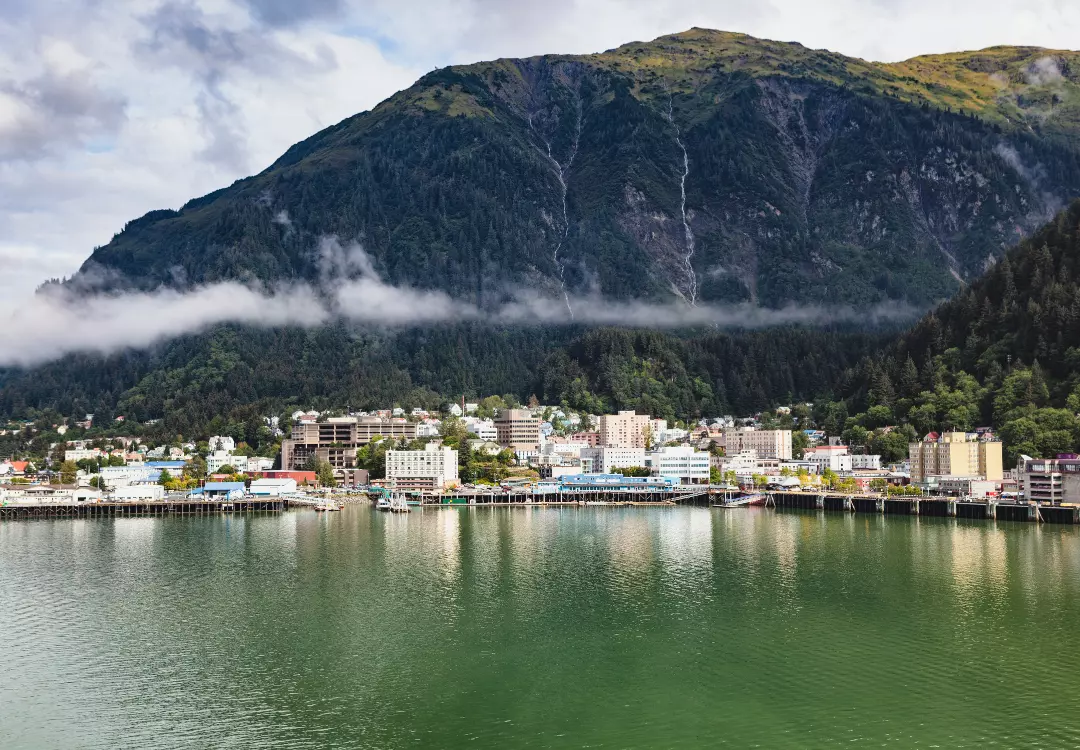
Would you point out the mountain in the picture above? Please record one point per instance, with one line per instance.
(706, 166)
(1004, 352)
(703, 167)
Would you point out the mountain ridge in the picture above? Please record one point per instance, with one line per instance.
(806, 177)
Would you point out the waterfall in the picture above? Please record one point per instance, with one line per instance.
(691, 277)
(561, 171)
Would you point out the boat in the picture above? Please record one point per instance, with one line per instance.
(383, 503)
(744, 501)
(398, 504)
(327, 506)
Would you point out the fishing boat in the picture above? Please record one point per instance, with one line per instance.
(398, 504)
(383, 503)
(326, 506)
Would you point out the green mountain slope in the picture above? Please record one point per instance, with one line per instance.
(706, 166)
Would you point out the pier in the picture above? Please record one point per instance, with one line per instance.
(599, 496)
(186, 507)
(915, 505)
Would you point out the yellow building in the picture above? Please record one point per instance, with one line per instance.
(956, 454)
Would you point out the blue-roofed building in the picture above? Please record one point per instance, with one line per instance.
(170, 465)
(223, 490)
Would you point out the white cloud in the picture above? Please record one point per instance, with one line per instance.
(112, 108)
(61, 321)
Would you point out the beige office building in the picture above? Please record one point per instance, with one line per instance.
(624, 430)
(767, 443)
(955, 454)
(337, 439)
(518, 430)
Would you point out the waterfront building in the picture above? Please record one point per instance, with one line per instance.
(518, 430)
(430, 469)
(1050, 480)
(767, 443)
(145, 493)
(623, 430)
(606, 458)
(222, 491)
(962, 486)
(612, 483)
(955, 454)
(684, 464)
(272, 487)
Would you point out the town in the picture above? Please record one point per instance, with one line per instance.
(495, 445)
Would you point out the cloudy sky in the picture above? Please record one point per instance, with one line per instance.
(111, 108)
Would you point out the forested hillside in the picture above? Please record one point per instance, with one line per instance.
(235, 374)
(1004, 352)
(704, 166)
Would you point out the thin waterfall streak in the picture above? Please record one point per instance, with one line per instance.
(560, 173)
(691, 277)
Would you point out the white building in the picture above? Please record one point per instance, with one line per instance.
(272, 487)
(767, 443)
(149, 493)
(834, 457)
(866, 462)
(124, 476)
(430, 469)
(455, 410)
(427, 429)
(606, 458)
(221, 443)
(218, 459)
(79, 454)
(685, 464)
(484, 429)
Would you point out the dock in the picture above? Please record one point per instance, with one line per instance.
(686, 494)
(913, 505)
(185, 507)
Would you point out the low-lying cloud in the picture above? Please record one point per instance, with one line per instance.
(60, 320)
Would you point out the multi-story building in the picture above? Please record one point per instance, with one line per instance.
(834, 457)
(430, 469)
(484, 429)
(767, 443)
(866, 462)
(626, 429)
(337, 439)
(79, 454)
(518, 430)
(955, 454)
(1051, 480)
(606, 458)
(684, 464)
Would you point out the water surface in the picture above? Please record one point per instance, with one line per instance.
(538, 628)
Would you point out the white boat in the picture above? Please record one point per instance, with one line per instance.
(383, 503)
(327, 506)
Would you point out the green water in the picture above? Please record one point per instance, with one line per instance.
(538, 628)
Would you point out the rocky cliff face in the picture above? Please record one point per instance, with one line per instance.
(703, 167)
